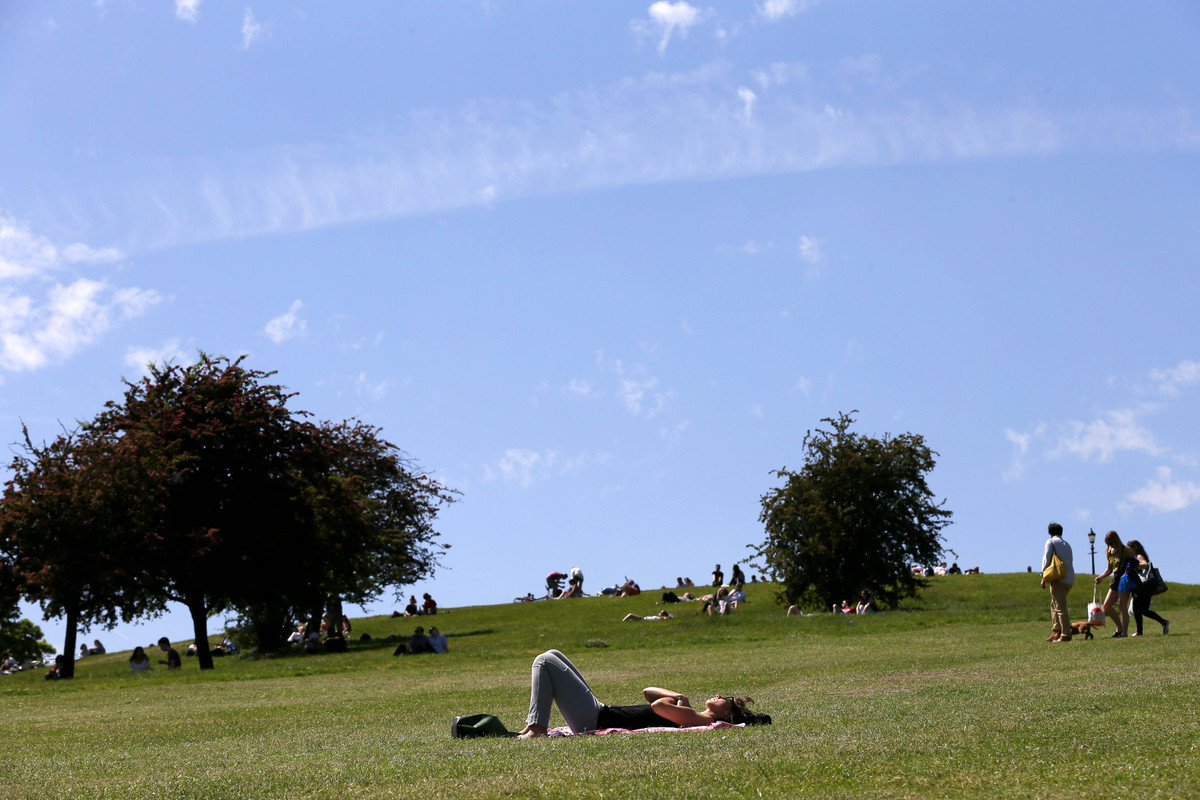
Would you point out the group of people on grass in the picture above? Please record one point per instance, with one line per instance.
(420, 642)
(428, 606)
(1126, 591)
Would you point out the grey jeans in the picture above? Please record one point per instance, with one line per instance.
(556, 680)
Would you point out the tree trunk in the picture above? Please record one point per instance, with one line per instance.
(334, 613)
(199, 611)
(68, 665)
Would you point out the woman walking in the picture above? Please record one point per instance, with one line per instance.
(1121, 564)
(1141, 600)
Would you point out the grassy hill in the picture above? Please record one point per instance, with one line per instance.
(954, 695)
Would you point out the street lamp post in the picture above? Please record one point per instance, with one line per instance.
(1092, 540)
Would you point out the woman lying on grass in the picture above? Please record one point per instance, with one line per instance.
(556, 680)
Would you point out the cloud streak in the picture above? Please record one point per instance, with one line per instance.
(661, 128)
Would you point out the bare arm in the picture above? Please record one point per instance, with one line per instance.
(653, 693)
(682, 715)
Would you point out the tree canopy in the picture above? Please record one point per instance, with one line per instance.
(201, 487)
(855, 517)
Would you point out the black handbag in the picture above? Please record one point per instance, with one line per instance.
(1150, 581)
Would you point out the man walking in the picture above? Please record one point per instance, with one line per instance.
(1060, 630)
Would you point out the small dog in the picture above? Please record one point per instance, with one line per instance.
(1084, 628)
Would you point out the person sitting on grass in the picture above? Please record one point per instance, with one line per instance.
(719, 601)
(628, 589)
(865, 604)
(437, 640)
(172, 661)
(417, 643)
(139, 660)
(556, 680)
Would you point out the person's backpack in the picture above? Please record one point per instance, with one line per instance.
(473, 726)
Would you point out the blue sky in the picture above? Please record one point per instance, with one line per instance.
(601, 266)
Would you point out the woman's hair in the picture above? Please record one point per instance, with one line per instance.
(138, 654)
(742, 715)
(1137, 548)
(1113, 540)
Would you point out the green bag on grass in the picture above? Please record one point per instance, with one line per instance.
(473, 726)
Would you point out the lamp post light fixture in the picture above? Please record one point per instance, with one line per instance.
(1092, 541)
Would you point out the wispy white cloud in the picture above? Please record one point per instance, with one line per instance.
(252, 29)
(580, 388)
(169, 351)
(747, 96)
(1100, 439)
(659, 128)
(522, 466)
(526, 467)
(809, 251)
(778, 74)
(1165, 493)
(672, 434)
(1171, 380)
(288, 325)
(1021, 444)
(47, 315)
(775, 10)
(187, 10)
(376, 390)
(665, 19)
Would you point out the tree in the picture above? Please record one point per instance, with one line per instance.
(19, 638)
(375, 516)
(223, 497)
(70, 537)
(855, 517)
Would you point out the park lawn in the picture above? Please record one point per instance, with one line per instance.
(955, 695)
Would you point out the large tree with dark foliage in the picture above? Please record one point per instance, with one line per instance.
(227, 519)
(857, 516)
(70, 536)
(374, 515)
(201, 487)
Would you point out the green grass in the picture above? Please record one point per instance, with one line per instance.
(956, 695)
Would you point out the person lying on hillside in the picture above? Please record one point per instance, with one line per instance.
(556, 680)
(664, 614)
(628, 589)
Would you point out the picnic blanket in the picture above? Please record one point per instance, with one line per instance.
(565, 731)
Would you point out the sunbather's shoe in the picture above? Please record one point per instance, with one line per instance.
(1117, 635)
(1062, 639)
(1054, 637)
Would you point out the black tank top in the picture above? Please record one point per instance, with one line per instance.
(631, 717)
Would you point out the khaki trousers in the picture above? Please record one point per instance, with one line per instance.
(1058, 608)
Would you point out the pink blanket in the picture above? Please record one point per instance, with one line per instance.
(565, 731)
